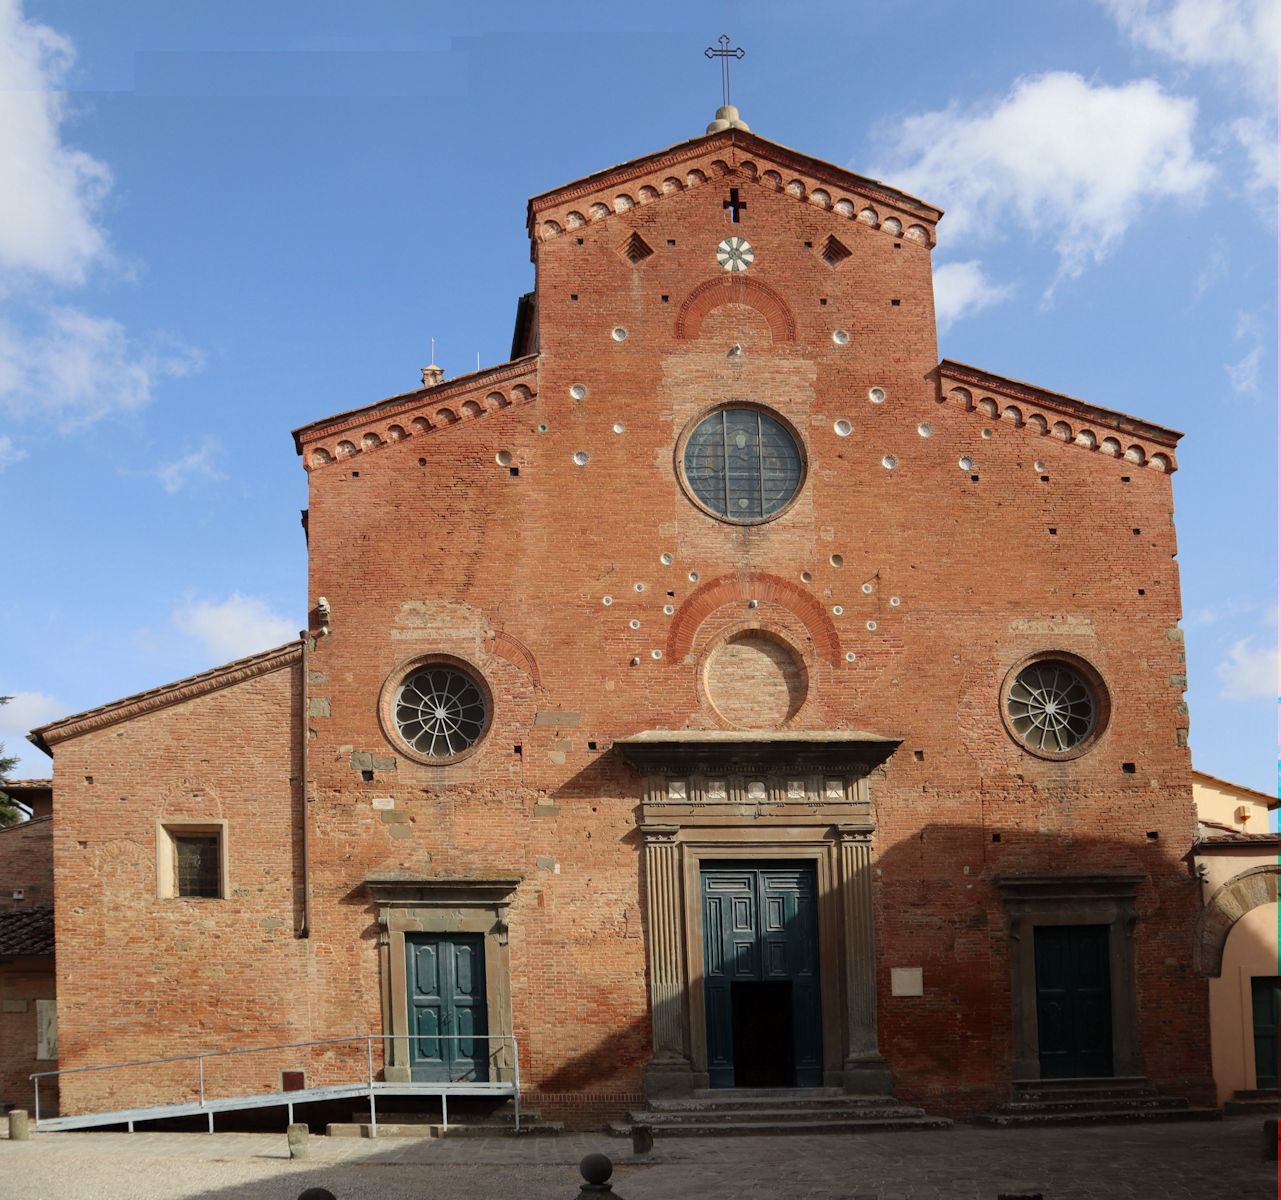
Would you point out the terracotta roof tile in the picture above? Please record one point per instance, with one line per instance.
(27, 932)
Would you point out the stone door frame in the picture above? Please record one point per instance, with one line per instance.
(1098, 899)
(443, 906)
(777, 797)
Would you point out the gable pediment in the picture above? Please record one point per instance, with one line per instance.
(414, 414)
(746, 159)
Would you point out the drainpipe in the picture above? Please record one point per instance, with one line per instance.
(304, 930)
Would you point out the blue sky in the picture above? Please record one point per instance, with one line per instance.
(220, 221)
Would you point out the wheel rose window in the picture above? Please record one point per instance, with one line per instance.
(440, 711)
(742, 464)
(1051, 707)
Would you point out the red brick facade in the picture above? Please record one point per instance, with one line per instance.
(530, 521)
(26, 956)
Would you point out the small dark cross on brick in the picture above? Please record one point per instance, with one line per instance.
(735, 205)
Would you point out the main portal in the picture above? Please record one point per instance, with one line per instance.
(760, 974)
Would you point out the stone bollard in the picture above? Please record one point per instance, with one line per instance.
(19, 1126)
(1269, 1139)
(317, 1194)
(296, 1136)
(596, 1170)
(642, 1139)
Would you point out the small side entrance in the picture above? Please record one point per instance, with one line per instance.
(1265, 994)
(1073, 1001)
(760, 975)
(445, 974)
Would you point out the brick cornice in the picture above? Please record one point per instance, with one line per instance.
(1068, 406)
(519, 370)
(182, 690)
(763, 151)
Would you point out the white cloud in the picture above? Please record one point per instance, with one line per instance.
(962, 289)
(1235, 40)
(24, 712)
(9, 453)
(1237, 37)
(51, 192)
(77, 368)
(1243, 374)
(196, 464)
(1257, 137)
(234, 627)
(1249, 672)
(1056, 157)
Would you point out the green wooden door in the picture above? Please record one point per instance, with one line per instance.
(1265, 992)
(1073, 1001)
(447, 1014)
(760, 975)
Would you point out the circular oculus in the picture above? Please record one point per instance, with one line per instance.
(735, 254)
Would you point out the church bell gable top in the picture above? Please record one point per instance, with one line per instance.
(735, 154)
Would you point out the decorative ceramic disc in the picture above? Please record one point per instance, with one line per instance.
(735, 254)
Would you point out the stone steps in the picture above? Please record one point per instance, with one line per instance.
(421, 1129)
(1253, 1101)
(744, 1128)
(1091, 1102)
(765, 1111)
(1099, 1117)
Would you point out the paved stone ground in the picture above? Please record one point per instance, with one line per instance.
(1184, 1161)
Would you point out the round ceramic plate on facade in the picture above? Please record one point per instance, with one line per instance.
(618, 428)
(503, 458)
(889, 462)
(837, 610)
(895, 602)
(578, 392)
(867, 589)
(966, 464)
(871, 626)
(580, 458)
(633, 624)
(638, 586)
(849, 655)
(876, 395)
(841, 338)
(665, 559)
(843, 428)
(693, 577)
(619, 334)
(836, 560)
(607, 600)
(924, 429)
(668, 609)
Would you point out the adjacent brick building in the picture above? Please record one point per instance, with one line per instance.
(722, 691)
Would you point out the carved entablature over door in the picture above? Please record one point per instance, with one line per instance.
(753, 795)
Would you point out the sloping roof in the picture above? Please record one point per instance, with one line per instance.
(739, 140)
(170, 693)
(27, 932)
(1271, 801)
(406, 404)
(1057, 402)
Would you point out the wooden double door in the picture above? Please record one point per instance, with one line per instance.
(1265, 1002)
(760, 974)
(448, 1017)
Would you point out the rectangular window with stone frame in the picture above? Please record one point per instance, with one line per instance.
(191, 860)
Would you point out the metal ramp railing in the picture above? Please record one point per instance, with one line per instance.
(199, 1100)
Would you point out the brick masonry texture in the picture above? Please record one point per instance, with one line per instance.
(26, 865)
(484, 540)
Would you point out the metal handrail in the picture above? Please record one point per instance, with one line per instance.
(367, 1038)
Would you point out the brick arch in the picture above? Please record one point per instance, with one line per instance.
(1230, 902)
(734, 289)
(716, 593)
(504, 646)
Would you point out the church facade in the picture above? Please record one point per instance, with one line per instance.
(723, 692)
